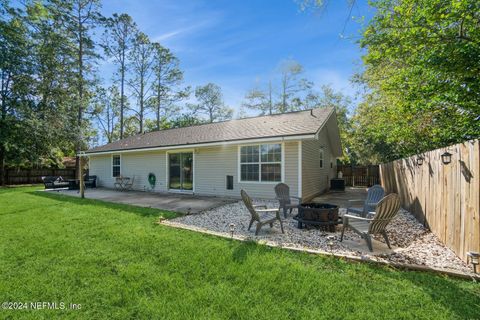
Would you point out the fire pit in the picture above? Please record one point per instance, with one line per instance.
(320, 214)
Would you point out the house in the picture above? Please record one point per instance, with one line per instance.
(297, 148)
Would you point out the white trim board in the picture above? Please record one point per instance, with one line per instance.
(187, 146)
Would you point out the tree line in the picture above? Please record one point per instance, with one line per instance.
(422, 71)
(420, 78)
(54, 101)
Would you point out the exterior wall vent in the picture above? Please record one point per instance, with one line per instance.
(229, 182)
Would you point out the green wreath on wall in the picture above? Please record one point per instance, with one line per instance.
(152, 180)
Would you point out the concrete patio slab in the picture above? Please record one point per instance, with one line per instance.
(183, 203)
(341, 198)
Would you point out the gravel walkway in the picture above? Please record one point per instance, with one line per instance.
(415, 244)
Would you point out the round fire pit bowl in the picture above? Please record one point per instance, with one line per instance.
(323, 215)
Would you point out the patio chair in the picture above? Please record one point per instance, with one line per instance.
(282, 192)
(385, 211)
(129, 184)
(261, 216)
(118, 185)
(90, 181)
(374, 195)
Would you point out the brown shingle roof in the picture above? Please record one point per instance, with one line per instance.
(278, 125)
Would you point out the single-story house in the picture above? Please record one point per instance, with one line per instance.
(221, 158)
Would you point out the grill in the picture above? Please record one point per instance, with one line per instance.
(323, 215)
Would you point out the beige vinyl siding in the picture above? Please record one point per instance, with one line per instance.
(101, 166)
(212, 165)
(316, 180)
(135, 164)
(140, 164)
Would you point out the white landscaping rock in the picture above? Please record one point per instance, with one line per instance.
(417, 245)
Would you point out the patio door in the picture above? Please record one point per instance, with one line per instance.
(181, 171)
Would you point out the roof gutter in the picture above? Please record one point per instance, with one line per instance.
(197, 145)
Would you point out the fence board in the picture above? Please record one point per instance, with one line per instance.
(360, 175)
(445, 197)
(31, 176)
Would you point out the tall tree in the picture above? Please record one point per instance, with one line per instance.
(141, 60)
(15, 80)
(184, 120)
(118, 38)
(54, 74)
(166, 84)
(210, 103)
(107, 110)
(291, 84)
(257, 99)
(422, 73)
(80, 17)
(294, 92)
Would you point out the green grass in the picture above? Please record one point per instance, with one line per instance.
(118, 264)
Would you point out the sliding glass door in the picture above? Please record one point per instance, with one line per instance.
(181, 171)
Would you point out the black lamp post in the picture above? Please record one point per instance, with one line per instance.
(232, 229)
(330, 243)
(474, 259)
(419, 160)
(446, 157)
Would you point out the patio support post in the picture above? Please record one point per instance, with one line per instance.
(81, 184)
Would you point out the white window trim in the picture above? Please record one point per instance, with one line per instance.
(111, 164)
(282, 164)
(167, 170)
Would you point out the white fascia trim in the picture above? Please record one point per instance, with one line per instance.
(186, 146)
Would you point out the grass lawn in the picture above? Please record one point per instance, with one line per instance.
(117, 263)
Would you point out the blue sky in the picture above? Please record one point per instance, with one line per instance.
(239, 44)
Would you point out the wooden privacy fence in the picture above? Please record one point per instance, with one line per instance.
(28, 176)
(360, 175)
(445, 197)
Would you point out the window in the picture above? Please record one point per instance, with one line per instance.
(321, 158)
(261, 163)
(116, 166)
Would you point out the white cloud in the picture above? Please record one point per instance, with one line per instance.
(183, 31)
